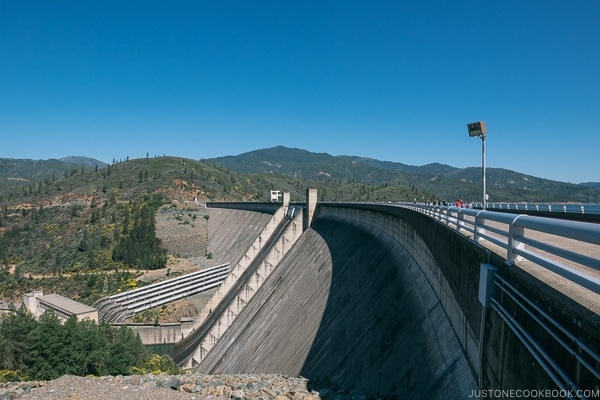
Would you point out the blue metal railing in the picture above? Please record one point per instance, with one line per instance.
(576, 208)
(513, 231)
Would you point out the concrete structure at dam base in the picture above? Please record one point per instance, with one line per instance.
(165, 333)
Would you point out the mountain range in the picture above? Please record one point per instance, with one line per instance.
(436, 180)
(444, 181)
(19, 172)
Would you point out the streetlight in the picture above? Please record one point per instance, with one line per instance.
(479, 129)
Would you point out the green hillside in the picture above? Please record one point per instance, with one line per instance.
(18, 172)
(68, 233)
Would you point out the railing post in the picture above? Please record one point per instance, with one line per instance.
(514, 233)
(477, 228)
(453, 218)
(447, 217)
(459, 220)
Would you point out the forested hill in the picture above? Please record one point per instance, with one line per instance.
(92, 220)
(50, 178)
(19, 172)
(290, 169)
(444, 181)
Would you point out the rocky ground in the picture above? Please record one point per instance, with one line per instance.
(173, 387)
(182, 228)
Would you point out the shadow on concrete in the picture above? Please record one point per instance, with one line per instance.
(383, 330)
(348, 307)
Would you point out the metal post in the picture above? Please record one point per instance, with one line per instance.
(484, 202)
(479, 129)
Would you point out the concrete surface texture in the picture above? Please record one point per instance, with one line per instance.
(348, 305)
(231, 232)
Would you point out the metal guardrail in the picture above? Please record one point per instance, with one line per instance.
(583, 208)
(512, 232)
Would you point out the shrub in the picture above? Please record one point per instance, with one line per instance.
(7, 375)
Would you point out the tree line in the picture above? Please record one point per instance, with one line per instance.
(139, 247)
(46, 349)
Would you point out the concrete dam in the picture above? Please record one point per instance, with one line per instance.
(379, 299)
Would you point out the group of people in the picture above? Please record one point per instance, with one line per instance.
(461, 204)
(458, 203)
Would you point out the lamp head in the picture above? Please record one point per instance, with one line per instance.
(477, 128)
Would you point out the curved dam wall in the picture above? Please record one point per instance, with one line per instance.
(350, 305)
(384, 300)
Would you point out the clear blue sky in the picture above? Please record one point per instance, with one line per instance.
(392, 80)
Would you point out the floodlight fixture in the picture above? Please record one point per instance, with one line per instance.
(479, 129)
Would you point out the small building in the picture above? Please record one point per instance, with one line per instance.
(275, 196)
(62, 307)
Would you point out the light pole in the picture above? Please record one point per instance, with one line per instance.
(479, 129)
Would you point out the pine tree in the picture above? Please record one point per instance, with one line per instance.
(14, 328)
(140, 248)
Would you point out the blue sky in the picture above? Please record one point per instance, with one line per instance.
(392, 80)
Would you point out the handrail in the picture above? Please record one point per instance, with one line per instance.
(576, 208)
(513, 231)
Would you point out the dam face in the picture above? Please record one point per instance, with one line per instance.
(387, 301)
(349, 305)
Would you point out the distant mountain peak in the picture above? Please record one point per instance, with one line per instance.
(443, 180)
(85, 161)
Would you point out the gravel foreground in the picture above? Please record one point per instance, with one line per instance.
(173, 387)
